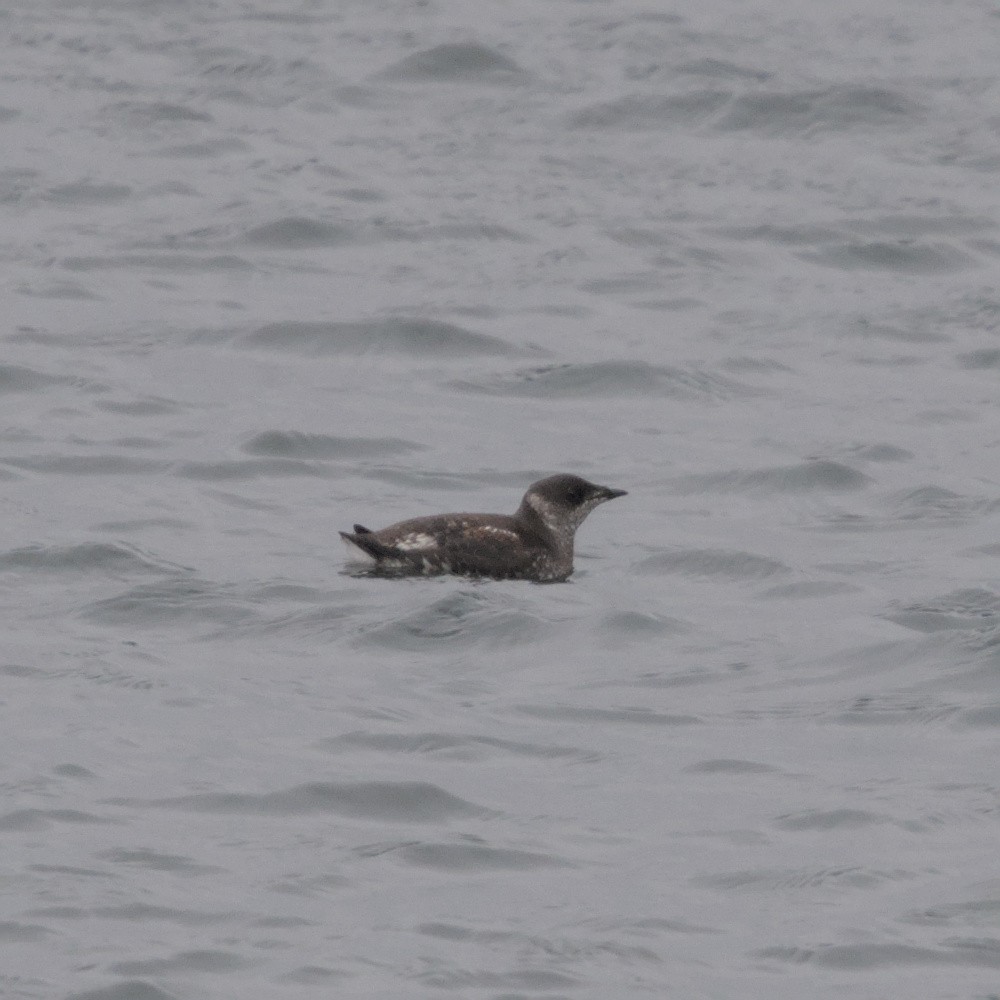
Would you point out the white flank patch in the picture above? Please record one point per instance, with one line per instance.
(416, 541)
(492, 529)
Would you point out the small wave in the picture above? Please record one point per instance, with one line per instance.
(826, 476)
(294, 233)
(235, 63)
(460, 620)
(722, 69)
(316, 975)
(880, 452)
(391, 801)
(987, 717)
(156, 861)
(972, 608)
(904, 257)
(743, 566)
(899, 244)
(205, 149)
(449, 62)
(515, 983)
(830, 819)
(176, 262)
(402, 335)
(890, 711)
(632, 624)
(916, 226)
(202, 960)
(147, 912)
(146, 406)
(914, 509)
(320, 623)
(298, 444)
(141, 523)
(88, 193)
(128, 989)
(477, 858)
(808, 111)
(490, 232)
(808, 589)
(56, 289)
(971, 953)
(628, 283)
(728, 766)
(43, 819)
(15, 932)
(174, 601)
(631, 716)
(608, 378)
(429, 479)
(96, 556)
(254, 468)
(964, 912)
(802, 234)
(935, 503)
(13, 378)
(146, 113)
(906, 332)
(451, 746)
(781, 880)
(983, 359)
(639, 112)
(88, 465)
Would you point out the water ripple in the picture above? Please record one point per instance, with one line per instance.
(477, 858)
(297, 233)
(456, 61)
(608, 378)
(463, 620)
(712, 563)
(171, 601)
(821, 475)
(855, 957)
(449, 746)
(402, 335)
(128, 989)
(390, 801)
(298, 444)
(93, 556)
(43, 819)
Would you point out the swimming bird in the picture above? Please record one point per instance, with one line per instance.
(533, 543)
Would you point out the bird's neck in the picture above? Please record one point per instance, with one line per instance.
(541, 521)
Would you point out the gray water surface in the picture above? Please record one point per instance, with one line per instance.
(274, 269)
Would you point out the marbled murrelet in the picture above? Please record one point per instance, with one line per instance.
(534, 543)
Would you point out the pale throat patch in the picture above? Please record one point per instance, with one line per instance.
(562, 523)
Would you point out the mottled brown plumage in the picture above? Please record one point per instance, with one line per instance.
(534, 543)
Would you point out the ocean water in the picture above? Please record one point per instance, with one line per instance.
(271, 269)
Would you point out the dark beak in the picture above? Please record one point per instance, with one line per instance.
(609, 494)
